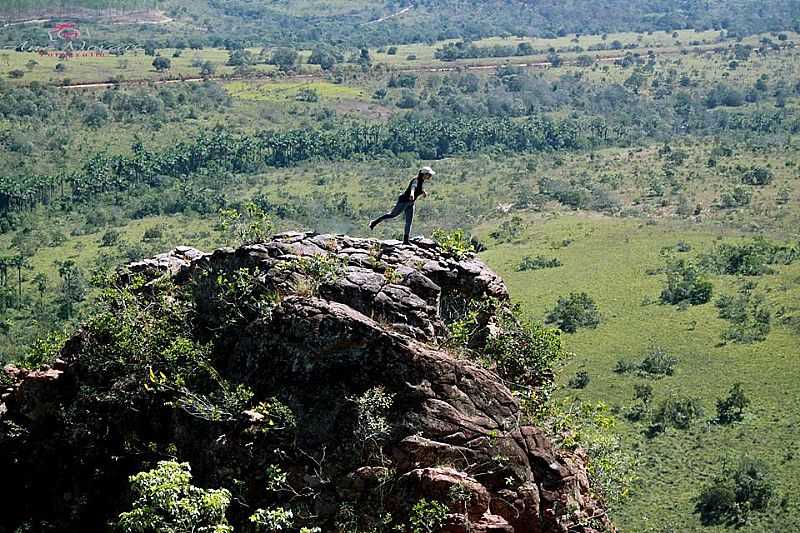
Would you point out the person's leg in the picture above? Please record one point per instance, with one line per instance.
(409, 220)
(398, 208)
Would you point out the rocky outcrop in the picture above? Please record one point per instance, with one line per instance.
(457, 435)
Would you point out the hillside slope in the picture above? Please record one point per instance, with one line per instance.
(360, 23)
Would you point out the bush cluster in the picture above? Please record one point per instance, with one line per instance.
(578, 310)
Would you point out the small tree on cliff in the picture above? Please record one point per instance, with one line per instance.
(167, 502)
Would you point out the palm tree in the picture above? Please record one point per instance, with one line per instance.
(19, 262)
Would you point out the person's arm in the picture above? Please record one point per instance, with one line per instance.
(412, 189)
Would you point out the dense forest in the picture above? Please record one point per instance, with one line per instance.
(254, 23)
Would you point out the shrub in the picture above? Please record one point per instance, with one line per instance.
(643, 394)
(623, 367)
(685, 284)
(675, 411)
(454, 242)
(731, 409)
(97, 115)
(508, 230)
(408, 100)
(307, 95)
(166, 502)
(428, 516)
(154, 232)
(273, 519)
(162, 63)
(612, 467)
(657, 363)
(523, 353)
(748, 313)
(110, 237)
(738, 196)
(757, 176)
(748, 258)
(371, 423)
(537, 263)
(320, 270)
(248, 225)
(732, 496)
(575, 311)
(580, 380)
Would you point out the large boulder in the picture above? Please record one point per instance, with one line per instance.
(380, 322)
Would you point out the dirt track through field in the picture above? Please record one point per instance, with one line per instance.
(449, 68)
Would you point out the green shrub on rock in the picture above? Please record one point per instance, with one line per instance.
(166, 502)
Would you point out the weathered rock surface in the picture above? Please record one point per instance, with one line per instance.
(378, 324)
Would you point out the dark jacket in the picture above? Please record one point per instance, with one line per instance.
(413, 191)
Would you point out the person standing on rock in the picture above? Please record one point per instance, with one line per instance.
(405, 202)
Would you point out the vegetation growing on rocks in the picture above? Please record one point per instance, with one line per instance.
(219, 360)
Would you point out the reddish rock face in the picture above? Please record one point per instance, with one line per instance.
(456, 435)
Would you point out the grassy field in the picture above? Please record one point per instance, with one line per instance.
(135, 65)
(659, 42)
(281, 92)
(610, 259)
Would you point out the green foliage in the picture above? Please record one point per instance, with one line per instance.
(751, 258)
(525, 353)
(580, 380)
(307, 95)
(522, 352)
(577, 310)
(285, 59)
(537, 263)
(749, 315)
(612, 467)
(453, 243)
(73, 286)
(685, 284)
(371, 426)
(161, 63)
(320, 270)
(276, 416)
(248, 225)
(656, 364)
(738, 196)
(274, 519)
(731, 409)
(428, 516)
(757, 176)
(675, 411)
(508, 230)
(166, 502)
(231, 299)
(732, 497)
(44, 350)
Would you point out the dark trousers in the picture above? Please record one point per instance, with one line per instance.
(400, 207)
